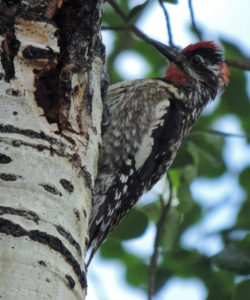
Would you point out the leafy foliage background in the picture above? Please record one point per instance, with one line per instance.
(225, 275)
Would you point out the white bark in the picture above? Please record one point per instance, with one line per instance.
(46, 173)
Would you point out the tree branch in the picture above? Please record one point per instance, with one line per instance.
(194, 26)
(133, 28)
(155, 255)
(170, 37)
(219, 133)
(117, 8)
(238, 64)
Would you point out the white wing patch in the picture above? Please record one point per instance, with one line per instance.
(144, 151)
(147, 141)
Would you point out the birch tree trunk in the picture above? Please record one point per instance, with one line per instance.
(50, 113)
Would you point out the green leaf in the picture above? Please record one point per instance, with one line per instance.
(242, 290)
(232, 51)
(111, 249)
(152, 210)
(235, 257)
(207, 150)
(162, 276)
(157, 62)
(135, 13)
(132, 226)
(245, 180)
(137, 274)
(175, 175)
(243, 216)
(235, 99)
(182, 262)
(184, 195)
(183, 158)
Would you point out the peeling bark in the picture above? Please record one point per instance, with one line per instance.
(50, 72)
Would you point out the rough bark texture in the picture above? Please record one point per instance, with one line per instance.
(50, 112)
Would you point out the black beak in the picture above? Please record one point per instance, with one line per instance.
(171, 53)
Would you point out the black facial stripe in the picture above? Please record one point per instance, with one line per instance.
(207, 53)
(207, 74)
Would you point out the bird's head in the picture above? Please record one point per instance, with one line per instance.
(199, 65)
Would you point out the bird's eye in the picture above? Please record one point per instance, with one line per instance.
(196, 60)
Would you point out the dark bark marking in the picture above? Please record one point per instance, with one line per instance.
(76, 159)
(40, 147)
(51, 189)
(67, 185)
(87, 177)
(46, 94)
(75, 90)
(5, 159)
(31, 52)
(10, 46)
(42, 263)
(54, 243)
(12, 92)
(77, 214)
(58, 246)
(94, 130)
(9, 177)
(11, 228)
(71, 281)
(69, 238)
(27, 214)
(16, 143)
(84, 213)
(31, 134)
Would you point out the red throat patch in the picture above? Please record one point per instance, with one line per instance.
(175, 75)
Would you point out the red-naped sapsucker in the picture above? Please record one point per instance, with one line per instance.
(147, 121)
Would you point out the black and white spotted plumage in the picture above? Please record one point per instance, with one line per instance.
(147, 121)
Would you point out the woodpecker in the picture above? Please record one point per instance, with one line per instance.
(147, 122)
